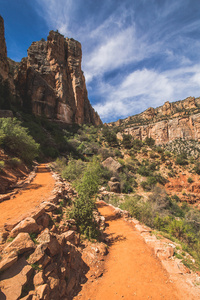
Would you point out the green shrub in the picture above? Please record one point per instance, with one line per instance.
(2, 165)
(153, 154)
(127, 141)
(176, 198)
(74, 169)
(15, 162)
(197, 168)
(181, 159)
(110, 137)
(15, 139)
(150, 141)
(190, 180)
(84, 205)
(143, 170)
(137, 144)
(159, 149)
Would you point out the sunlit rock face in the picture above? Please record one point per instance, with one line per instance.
(51, 83)
(166, 123)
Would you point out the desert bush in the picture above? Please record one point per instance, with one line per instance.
(15, 162)
(110, 137)
(190, 180)
(153, 154)
(105, 153)
(144, 171)
(84, 205)
(127, 141)
(150, 141)
(15, 139)
(137, 144)
(197, 168)
(2, 165)
(159, 149)
(118, 153)
(176, 198)
(138, 208)
(74, 169)
(182, 159)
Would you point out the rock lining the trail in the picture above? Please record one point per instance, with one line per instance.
(41, 254)
(164, 250)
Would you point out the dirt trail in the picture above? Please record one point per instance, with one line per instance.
(131, 269)
(27, 199)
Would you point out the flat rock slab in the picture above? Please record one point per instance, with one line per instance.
(13, 280)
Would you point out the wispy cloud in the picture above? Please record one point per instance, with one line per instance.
(145, 88)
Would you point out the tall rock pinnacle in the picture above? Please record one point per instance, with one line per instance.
(4, 66)
(50, 81)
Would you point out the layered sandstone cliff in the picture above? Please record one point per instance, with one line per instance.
(166, 123)
(49, 81)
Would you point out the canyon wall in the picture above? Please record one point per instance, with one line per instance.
(166, 123)
(168, 130)
(49, 82)
(4, 65)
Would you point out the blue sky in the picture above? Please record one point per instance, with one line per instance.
(136, 53)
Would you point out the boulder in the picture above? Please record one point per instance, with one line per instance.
(22, 243)
(44, 237)
(28, 225)
(38, 254)
(8, 261)
(48, 206)
(112, 165)
(71, 236)
(54, 246)
(38, 279)
(49, 241)
(42, 292)
(114, 187)
(14, 279)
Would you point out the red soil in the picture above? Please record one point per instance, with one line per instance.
(27, 199)
(131, 269)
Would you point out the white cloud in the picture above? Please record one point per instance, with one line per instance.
(114, 43)
(144, 88)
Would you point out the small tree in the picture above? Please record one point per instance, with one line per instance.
(150, 141)
(15, 139)
(127, 141)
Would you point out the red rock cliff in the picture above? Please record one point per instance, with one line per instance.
(50, 81)
(4, 66)
(166, 123)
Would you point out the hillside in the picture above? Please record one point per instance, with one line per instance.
(164, 124)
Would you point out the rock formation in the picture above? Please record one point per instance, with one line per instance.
(50, 81)
(166, 123)
(4, 65)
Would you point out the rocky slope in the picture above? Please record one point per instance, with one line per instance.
(50, 82)
(166, 123)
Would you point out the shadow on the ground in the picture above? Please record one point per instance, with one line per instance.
(32, 186)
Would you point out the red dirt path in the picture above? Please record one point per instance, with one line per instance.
(131, 269)
(27, 199)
